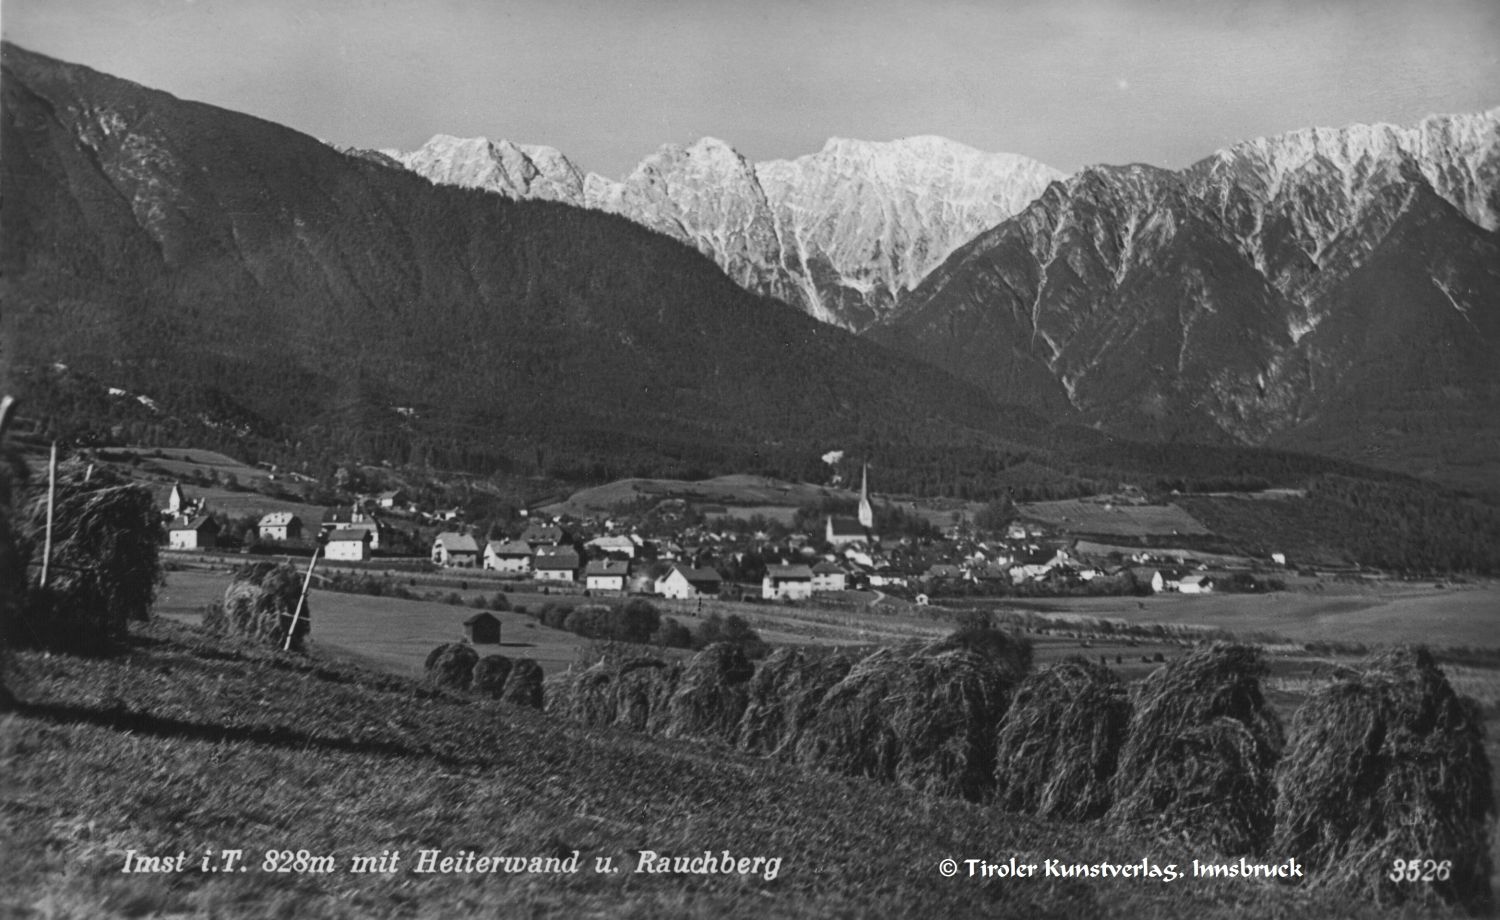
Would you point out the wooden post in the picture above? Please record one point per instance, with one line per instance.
(302, 598)
(51, 494)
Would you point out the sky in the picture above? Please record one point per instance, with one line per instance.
(1164, 82)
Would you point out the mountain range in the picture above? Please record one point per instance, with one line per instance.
(1335, 291)
(1326, 289)
(841, 233)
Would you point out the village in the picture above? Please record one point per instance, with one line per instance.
(680, 549)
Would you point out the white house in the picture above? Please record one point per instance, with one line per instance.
(200, 532)
(787, 582)
(458, 550)
(1195, 584)
(828, 577)
(612, 546)
(346, 545)
(355, 519)
(509, 557)
(280, 525)
(561, 565)
(683, 583)
(606, 575)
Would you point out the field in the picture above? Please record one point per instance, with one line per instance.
(1114, 519)
(187, 745)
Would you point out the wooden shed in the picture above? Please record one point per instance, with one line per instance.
(482, 629)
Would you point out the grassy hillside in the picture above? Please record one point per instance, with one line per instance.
(184, 745)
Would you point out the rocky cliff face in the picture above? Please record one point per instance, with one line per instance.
(842, 233)
(1239, 297)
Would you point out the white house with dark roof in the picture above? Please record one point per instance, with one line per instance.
(508, 557)
(196, 532)
(559, 565)
(684, 583)
(828, 577)
(280, 525)
(456, 550)
(347, 545)
(787, 582)
(607, 575)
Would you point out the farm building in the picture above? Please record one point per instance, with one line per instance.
(509, 557)
(606, 575)
(355, 519)
(538, 534)
(1195, 584)
(482, 629)
(280, 525)
(684, 583)
(558, 565)
(457, 550)
(787, 582)
(391, 499)
(828, 577)
(198, 532)
(347, 545)
(1149, 578)
(613, 546)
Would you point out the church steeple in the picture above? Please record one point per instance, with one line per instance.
(866, 513)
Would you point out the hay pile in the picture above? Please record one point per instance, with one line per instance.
(524, 685)
(924, 717)
(105, 566)
(709, 697)
(259, 604)
(451, 666)
(626, 692)
(783, 697)
(1060, 742)
(489, 674)
(1388, 764)
(1201, 750)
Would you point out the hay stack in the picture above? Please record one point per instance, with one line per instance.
(105, 566)
(1201, 749)
(710, 696)
(451, 666)
(489, 675)
(643, 688)
(624, 692)
(259, 605)
(1060, 742)
(1389, 763)
(925, 717)
(783, 697)
(524, 685)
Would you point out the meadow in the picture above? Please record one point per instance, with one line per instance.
(190, 744)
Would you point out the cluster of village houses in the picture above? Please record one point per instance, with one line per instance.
(620, 561)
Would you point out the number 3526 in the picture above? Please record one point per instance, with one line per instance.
(1421, 870)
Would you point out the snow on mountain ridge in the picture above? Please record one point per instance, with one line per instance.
(841, 233)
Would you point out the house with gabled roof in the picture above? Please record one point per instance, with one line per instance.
(508, 557)
(606, 575)
(787, 582)
(828, 577)
(685, 582)
(280, 525)
(555, 564)
(455, 550)
(348, 545)
(196, 532)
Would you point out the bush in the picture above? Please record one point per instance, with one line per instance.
(672, 634)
